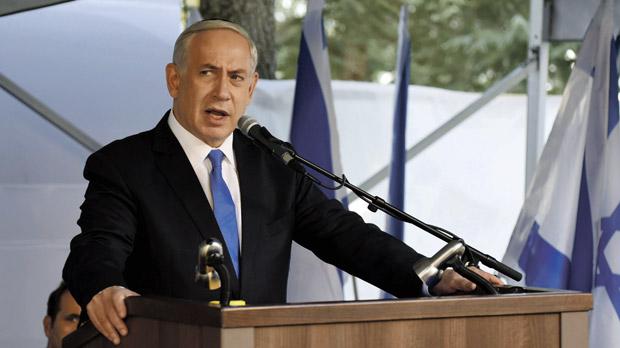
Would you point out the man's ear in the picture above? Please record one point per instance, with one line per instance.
(253, 83)
(47, 326)
(173, 79)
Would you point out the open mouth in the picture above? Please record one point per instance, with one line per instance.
(217, 112)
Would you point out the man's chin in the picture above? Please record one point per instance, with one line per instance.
(215, 138)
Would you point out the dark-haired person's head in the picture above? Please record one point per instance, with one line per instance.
(62, 317)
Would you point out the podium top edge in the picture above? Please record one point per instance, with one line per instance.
(199, 313)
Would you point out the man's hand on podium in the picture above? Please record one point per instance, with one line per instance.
(452, 282)
(107, 310)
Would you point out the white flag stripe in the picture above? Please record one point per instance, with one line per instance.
(553, 195)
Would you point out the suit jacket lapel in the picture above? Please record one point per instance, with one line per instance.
(249, 186)
(173, 163)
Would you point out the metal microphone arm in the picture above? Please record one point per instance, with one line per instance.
(472, 256)
(282, 150)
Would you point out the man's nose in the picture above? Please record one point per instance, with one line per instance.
(222, 88)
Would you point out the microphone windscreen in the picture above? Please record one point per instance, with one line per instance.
(245, 123)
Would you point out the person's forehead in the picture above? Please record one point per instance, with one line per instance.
(216, 39)
(67, 303)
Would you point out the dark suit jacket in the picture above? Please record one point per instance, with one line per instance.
(145, 213)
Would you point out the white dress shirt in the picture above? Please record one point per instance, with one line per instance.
(196, 151)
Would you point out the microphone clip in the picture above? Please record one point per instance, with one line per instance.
(430, 270)
(456, 255)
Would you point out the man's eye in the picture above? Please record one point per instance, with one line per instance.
(237, 77)
(206, 72)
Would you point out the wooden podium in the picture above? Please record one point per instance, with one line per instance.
(551, 319)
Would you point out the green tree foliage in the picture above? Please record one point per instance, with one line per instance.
(456, 44)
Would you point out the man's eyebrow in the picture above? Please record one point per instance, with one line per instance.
(215, 67)
(238, 71)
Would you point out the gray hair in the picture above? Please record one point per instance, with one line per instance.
(180, 46)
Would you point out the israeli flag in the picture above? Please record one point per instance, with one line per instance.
(396, 195)
(396, 191)
(314, 135)
(605, 319)
(565, 236)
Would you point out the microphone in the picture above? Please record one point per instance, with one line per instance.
(212, 270)
(282, 150)
(210, 253)
(431, 270)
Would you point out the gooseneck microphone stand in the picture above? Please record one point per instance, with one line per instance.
(456, 254)
(470, 256)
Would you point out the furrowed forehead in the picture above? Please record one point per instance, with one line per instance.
(223, 49)
(180, 47)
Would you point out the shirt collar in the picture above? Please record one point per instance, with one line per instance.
(195, 149)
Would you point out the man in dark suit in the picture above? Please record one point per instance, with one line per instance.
(154, 196)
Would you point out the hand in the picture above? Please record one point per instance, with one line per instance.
(107, 310)
(452, 282)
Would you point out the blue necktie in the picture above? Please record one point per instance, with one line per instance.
(224, 207)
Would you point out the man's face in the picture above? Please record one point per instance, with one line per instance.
(214, 86)
(65, 322)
